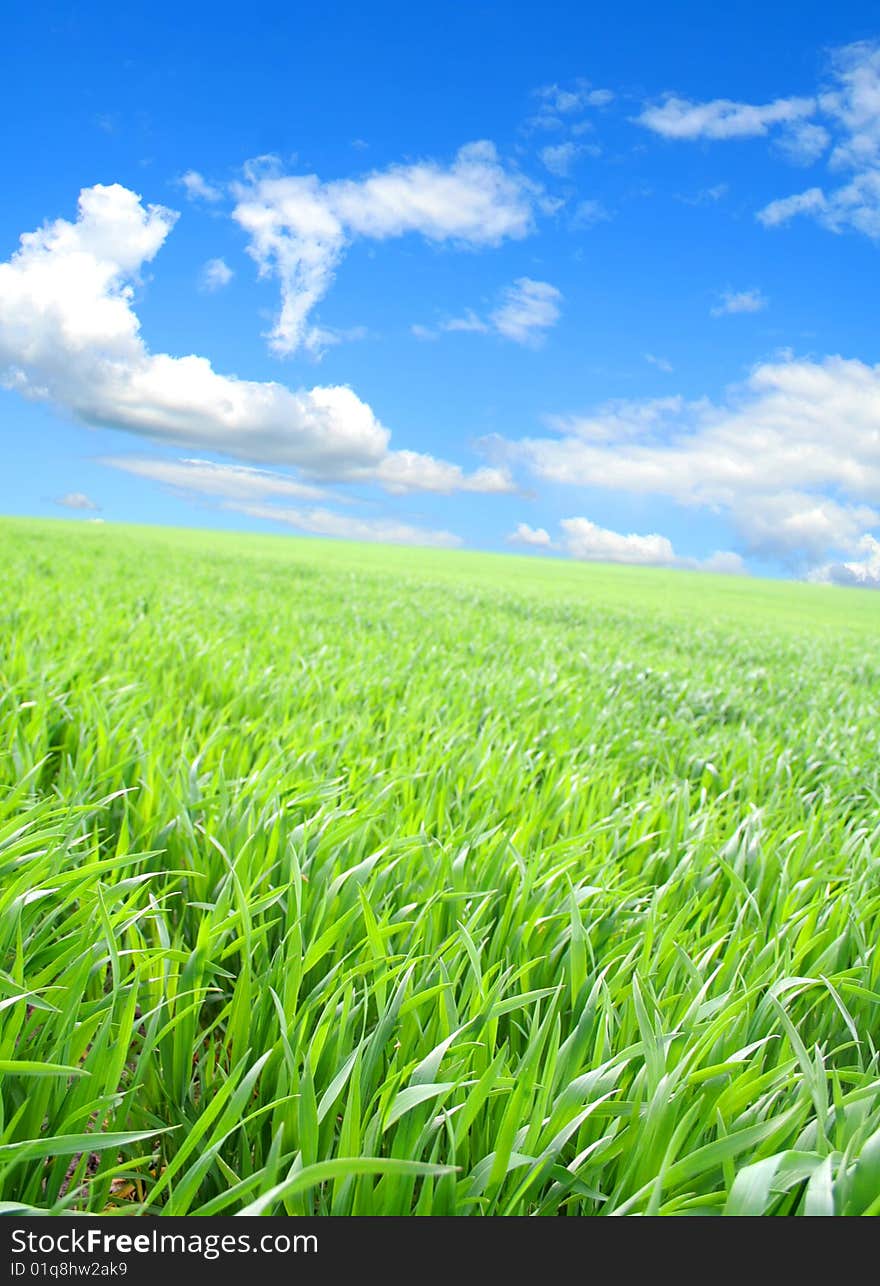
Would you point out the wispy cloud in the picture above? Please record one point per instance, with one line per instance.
(840, 123)
(529, 309)
(739, 301)
(526, 311)
(722, 118)
(560, 158)
(705, 196)
(197, 187)
(661, 363)
(209, 478)
(588, 213)
(468, 322)
(558, 104)
(324, 522)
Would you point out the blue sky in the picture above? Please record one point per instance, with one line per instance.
(592, 286)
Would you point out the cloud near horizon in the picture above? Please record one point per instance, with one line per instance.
(586, 541)
(792, 457)
(324, 522)
(856, 573)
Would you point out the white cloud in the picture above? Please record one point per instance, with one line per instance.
(810, 202)
(588, 213)
(722, 118)
(801, 526)
(811, 428)
(528, 310)
(69, 335)
(325, 337)
(585, 541)
(617, 420)
(723, 563)
(324, 522)
(215, 274)
(470, 322)
(739, 301)
(208, 478)
(559, 158)
(404, 471)
(855, 205)
(523, 534)
(566, 100)
(705, 196)
(422, 332)
(803, 143)
(854, 104)
(857, 573)
(76, 500)
(848, 112)
(557, 104)
(197, 188)
(661, 363)
(300, 227)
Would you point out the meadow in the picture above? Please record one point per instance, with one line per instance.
(350, 880)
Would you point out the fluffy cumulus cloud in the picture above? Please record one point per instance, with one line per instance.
(588, 542)
(792, 457)
(584, 539)
(798, 525)
(862, 573)
(537, 537)
(298, 227)
(840, 123)
(69, 334)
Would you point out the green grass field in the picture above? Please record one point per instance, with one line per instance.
(354, 880)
